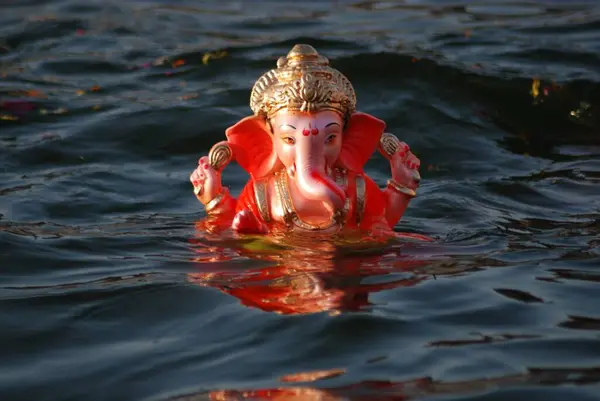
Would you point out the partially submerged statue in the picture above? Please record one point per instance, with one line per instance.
(305, 148)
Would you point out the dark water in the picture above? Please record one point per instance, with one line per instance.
(111, 290)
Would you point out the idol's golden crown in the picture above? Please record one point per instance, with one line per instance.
(303, 81)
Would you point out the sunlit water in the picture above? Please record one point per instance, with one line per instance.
(112, 288)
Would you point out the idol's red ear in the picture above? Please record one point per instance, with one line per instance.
(360, 140)
(252, 146)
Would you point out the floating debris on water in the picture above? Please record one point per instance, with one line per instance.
(213, 56)
(8, 117)
(582, 113)
(535, 88)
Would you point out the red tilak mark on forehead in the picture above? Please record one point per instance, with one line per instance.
(314, 131)
(305, 132)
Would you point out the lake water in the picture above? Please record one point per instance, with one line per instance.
(111, 288)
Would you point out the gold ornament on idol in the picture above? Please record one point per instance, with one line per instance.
(390, 144)
(219, 156)
(302, 81)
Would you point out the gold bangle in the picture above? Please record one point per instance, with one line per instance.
(401, 188)
(212, 204)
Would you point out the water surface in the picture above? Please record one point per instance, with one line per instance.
(111, 288)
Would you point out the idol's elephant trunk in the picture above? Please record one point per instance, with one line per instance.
(312, 179)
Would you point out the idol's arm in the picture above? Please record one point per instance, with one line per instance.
(206, 179)
(208, 189)
(396, 204)
(223, 204)
(243, 211)
(217, 200)
(401, 188)
(383, 208)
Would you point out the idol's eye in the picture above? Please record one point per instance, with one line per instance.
(330, 139)
(289, 140)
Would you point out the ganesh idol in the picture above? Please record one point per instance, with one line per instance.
(304, 149)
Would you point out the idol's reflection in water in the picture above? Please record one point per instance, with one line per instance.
(420, 388)
(307, 274)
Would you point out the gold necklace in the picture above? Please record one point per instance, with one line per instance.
(290, 215)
